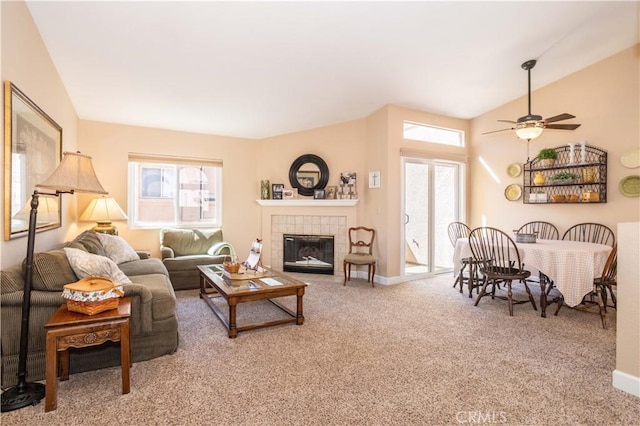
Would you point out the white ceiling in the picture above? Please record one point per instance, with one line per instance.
(259, 69)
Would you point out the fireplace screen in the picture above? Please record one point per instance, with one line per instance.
(308, 253)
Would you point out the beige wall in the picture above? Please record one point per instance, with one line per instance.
(627, 373)
(26, 63)
(604, 99)
(109, 145)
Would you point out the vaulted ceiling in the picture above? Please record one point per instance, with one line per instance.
(258, 69)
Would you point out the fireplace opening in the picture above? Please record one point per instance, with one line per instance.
(308, 253)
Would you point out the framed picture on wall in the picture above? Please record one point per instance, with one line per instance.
(32, 151)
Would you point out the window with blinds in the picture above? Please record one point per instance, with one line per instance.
(174, 192)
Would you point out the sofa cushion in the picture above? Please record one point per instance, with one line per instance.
(188, 263)
(89, 239)
(117, 249)
(186, 242)
(91, 265)
(51, 270)
(143, 267)
(11, 280)
(163, 302)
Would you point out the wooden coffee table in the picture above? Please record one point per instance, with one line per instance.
(213, 285)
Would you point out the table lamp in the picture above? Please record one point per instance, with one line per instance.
(103, 210)
(74, 174)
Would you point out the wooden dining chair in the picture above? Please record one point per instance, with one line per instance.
(499, 261)
(458, 230)
(590, 233)
(360, 252)
(543, 230)
(603, 284)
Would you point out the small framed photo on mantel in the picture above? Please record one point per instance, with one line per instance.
(319, 194)
(276, 191)
(290, 194)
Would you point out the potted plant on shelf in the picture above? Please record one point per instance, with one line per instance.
(547, 157)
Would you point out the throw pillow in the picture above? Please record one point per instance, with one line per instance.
(89, 239)
(117, 249)
(51, 270)
(92, 265)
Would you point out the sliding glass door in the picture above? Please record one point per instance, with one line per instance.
(432, 199)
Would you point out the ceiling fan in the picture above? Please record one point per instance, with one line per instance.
(530, 126)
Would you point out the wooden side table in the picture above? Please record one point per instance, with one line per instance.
(74, 330)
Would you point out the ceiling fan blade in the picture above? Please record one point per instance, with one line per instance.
(508, 121)
(496, 131)
(562, 126)
(559, 117)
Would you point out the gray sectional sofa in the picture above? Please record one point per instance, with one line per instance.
(154, 326)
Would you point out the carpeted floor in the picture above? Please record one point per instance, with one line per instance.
(414, 353)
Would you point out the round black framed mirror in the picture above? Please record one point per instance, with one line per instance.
(308, 173)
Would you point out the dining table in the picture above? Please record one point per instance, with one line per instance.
(571, 265)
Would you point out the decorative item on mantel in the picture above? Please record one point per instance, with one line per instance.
(276, 191)
(347, 189)
(265, 190)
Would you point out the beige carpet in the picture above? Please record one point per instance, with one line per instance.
(415, 353)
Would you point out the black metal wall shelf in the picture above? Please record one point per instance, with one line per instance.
(588, 165)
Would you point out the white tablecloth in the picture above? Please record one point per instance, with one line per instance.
(572, 265)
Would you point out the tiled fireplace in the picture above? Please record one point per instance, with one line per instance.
(305, 217)
(335, 226)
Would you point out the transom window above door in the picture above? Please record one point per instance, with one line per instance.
(427, 133)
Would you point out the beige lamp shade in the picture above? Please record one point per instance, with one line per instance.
(47, 211)
(74, 174)
(103, 210)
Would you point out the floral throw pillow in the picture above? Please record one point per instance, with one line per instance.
(92, 265)
(117, 249)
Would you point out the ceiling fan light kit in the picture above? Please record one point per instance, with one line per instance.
(528, 130)
(531, 126)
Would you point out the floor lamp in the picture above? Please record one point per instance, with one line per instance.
(74, 174)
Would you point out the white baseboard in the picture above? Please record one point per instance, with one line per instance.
(626, 382)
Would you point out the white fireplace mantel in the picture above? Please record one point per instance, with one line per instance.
(307, 203)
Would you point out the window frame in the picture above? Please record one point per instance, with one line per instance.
(177, 192)
(460, 133)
